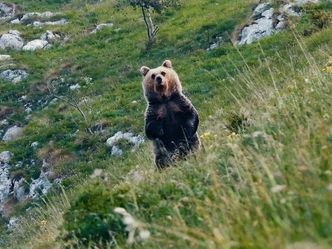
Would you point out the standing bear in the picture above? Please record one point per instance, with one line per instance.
(171, 121)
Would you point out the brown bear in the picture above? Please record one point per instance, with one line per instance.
(171, 121)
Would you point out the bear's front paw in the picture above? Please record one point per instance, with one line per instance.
(161, 132)
(154, 130)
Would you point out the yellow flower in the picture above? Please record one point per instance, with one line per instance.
(43, 222)
(328, 68)
(206, 136)
(233, 137)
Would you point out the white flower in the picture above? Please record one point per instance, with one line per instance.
(278, 188)
(128, 220)
(132, 227)
(144, 234)
(120, 210)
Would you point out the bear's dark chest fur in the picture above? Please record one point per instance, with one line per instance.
(171, 124)
(169, 112)
(172, 115)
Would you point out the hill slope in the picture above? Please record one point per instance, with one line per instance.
(263, 176)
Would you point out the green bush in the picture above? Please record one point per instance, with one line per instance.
(91, 219)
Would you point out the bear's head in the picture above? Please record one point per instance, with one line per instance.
(160, 83)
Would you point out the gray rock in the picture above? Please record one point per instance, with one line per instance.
(5, 157)
(14, 75)
(11, 40)
(19, 190)
(51, 23)
(6, 10)
(12, 223)
(263, 25)
(130, 137)
(216, 44)
(133, 140)
(5, 183)
(5, 57)
(49, 36)
(15, 21)
(12, 133)
(259, 28)
(39, 15)
(3, 122)
(36, 44)
(39, 186)
(261, 8)
(28, 110)
(101, 26)
(302, 2)
(74, 87)
(281, 22)
(116, 151)
(34, 145)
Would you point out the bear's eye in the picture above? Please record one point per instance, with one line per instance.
(163, 73)
(153, 76)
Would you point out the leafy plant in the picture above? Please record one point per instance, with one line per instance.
(91, 219)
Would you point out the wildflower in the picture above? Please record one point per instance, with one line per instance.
(278, 188)
(132, 226)
(206, 136)
(43, 222)
(233, 137)
(144, 234)
(328, 67)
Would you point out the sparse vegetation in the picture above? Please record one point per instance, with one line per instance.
(263, 177)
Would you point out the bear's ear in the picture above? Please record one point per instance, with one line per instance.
(144, 70)
(167, 63)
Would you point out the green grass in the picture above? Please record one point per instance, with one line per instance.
(261, 185)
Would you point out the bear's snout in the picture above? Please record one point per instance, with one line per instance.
(159, 80)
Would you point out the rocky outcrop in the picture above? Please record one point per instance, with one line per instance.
(5, 182)
(101, 26)
(130, 138)
(7, 10)
(14, 75)
(267, 21)
(261, 26)
(11, 40)
(5, 156)
(39, 19)
(75, 87)
(12, 133)
(37, 15)
(62, 21)
(36, 44)
(5, 57)
(39, 186)
(49, 36)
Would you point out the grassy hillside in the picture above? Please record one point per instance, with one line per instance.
(263, 176)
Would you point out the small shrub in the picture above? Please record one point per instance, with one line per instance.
(238, 122)
(91, 219)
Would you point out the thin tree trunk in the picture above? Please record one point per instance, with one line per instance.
(150, 27)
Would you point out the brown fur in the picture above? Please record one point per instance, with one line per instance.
(171, 120)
